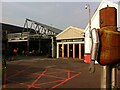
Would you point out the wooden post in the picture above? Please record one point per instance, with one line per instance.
(57, 50)
(80, 51)
(62, 50)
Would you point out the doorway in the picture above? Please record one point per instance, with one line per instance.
(71, 50)
(82, 51)
(65, 50)
(60, 50)
(76, 50)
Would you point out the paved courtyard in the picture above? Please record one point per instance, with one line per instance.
(46, 73)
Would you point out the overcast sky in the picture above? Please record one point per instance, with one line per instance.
(59, 14)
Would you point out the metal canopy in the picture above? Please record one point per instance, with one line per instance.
(33, 29)
(39, 29)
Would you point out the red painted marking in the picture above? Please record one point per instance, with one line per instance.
(38, 85)
(40, 75)
(65, 70)
(60, 80)
(64, 81)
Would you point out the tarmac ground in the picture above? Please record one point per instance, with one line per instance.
(31, 73)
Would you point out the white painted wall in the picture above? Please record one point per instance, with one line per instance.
(95, 22)
(119, 16)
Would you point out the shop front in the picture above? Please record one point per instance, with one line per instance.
(70, 43)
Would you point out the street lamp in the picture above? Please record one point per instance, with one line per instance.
(87, 6)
